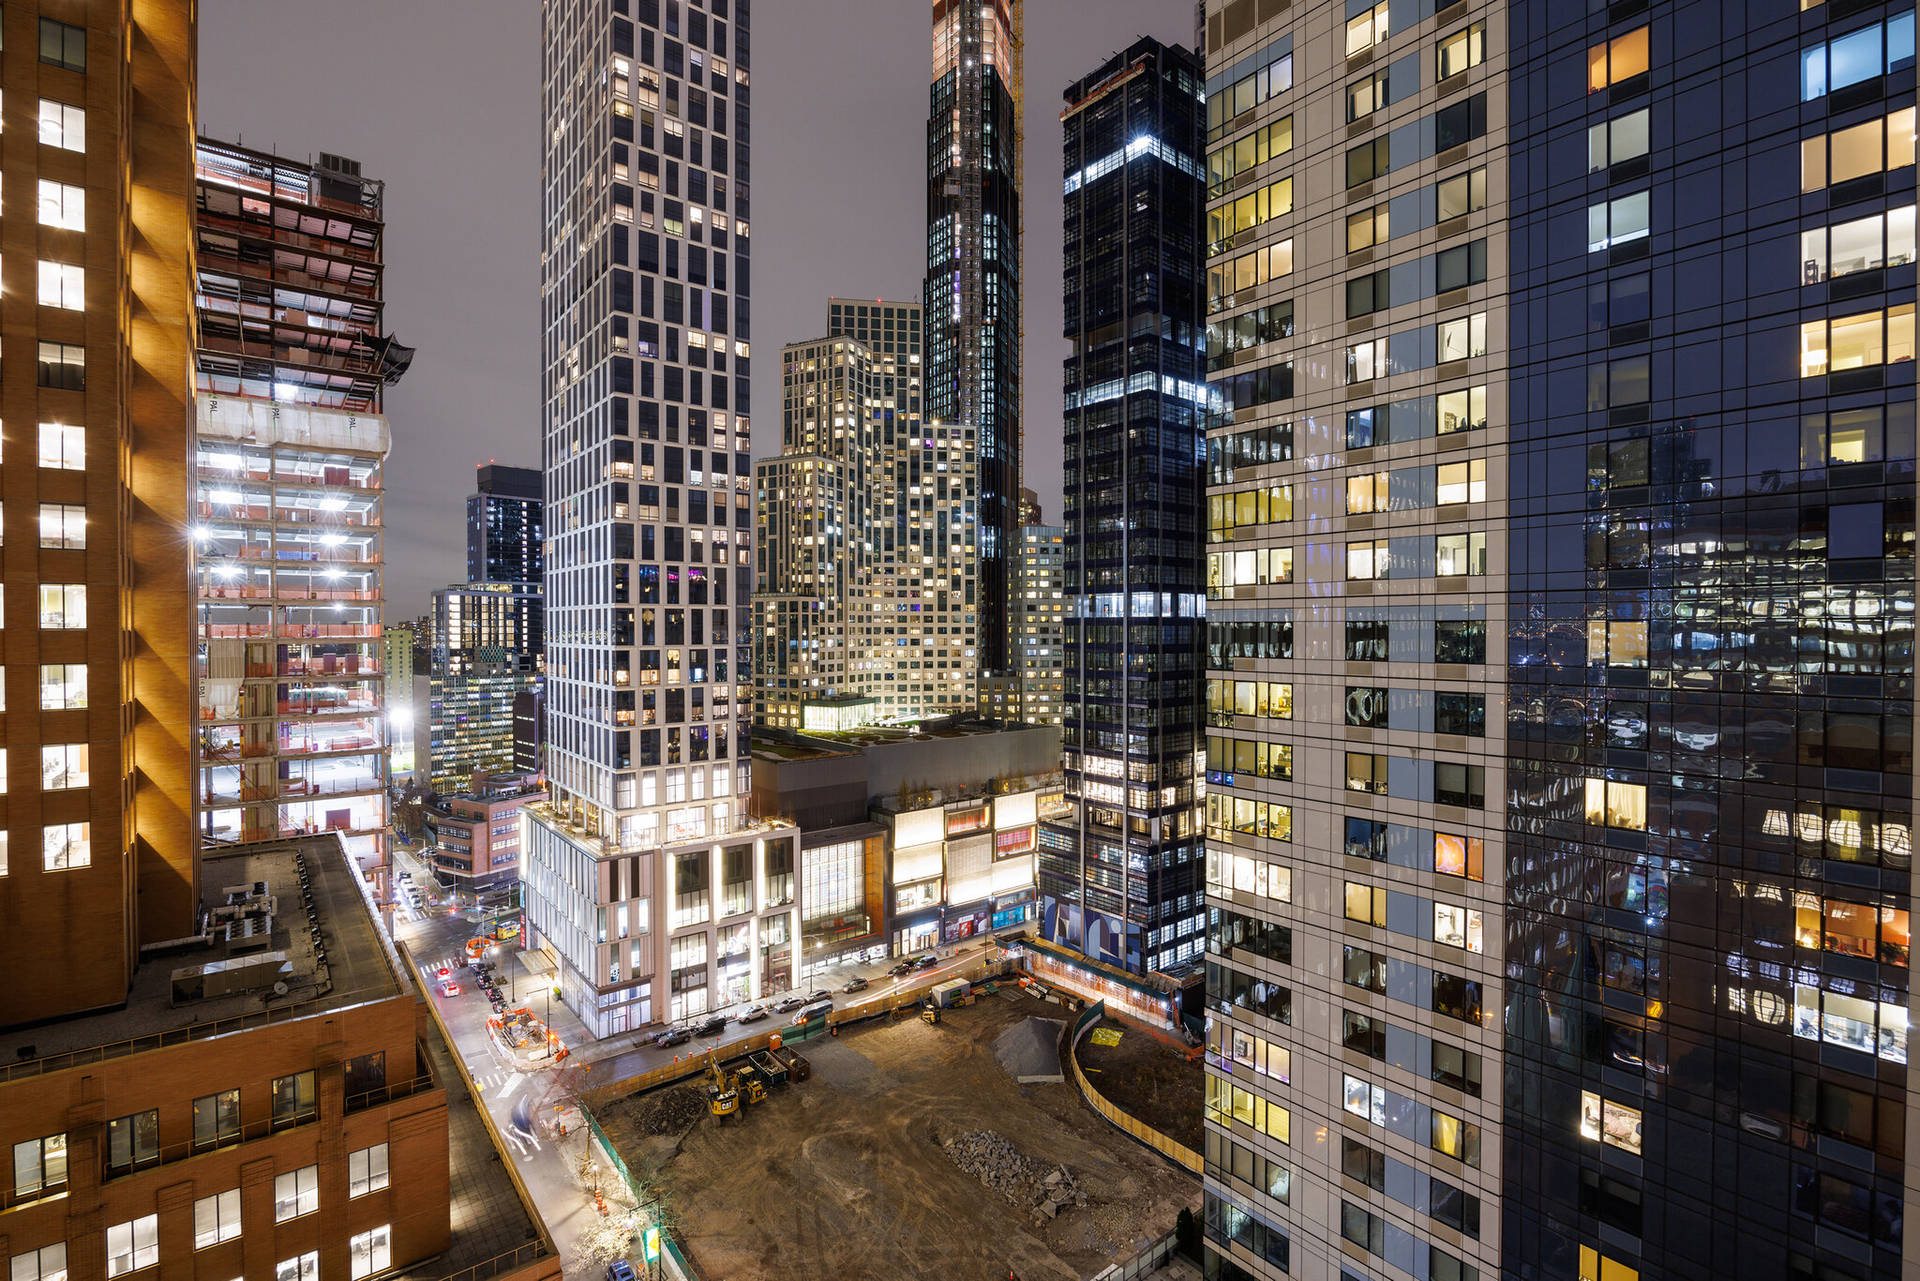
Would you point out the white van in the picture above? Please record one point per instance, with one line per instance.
(812, 1010)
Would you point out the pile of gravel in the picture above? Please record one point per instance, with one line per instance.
(994, 1161)
(1029, 1051)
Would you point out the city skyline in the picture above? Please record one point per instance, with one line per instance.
(472, 395)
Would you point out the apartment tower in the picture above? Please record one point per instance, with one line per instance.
(505, 525)
(1356, 342)
(291, 374)
(99, 657)
(483, 659)
(973, 281)
(1040, 626)
(864, 598)
(643, 881)
(1121, 876)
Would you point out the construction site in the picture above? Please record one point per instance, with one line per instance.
(920, 1143)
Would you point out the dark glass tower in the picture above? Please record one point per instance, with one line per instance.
(1121, 878)
(505, 526)
(973, 278)
(1710, 711)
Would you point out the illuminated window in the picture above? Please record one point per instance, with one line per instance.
(1456, 1137)
(1459, 855)
(1462, 337)
(1363, 1099)
(302, 1267)
(1618, 139)
(48, 1263)
(1367, 228)
(1458, 927)
(1461, 194)
(1228, 162)
(1863, 244)
(63, 606)
(1366, 904)
(63, 446)
(1617, 221)
(40, 1165)
(63, 766)
(1367, 361)
(1622, 805)
(63, 205)
(1855, 57)
(1462, 410)
(1614, 1124)
(63, 126)
(1455, 555)
(1864, 930)
(295, 1193)
(1367, 30)
(67, 845)
(371, 1251)
(1368, 560)
(1618, 59)
(1464, 48)
(63, 686)
(63, 525)
(216, 1218)
(1856, 342)
(1366, 493)
(1595, 1266)
(1617, 644)
(1873, 147)
(133, 1245)
(63, 285)
(1464, 482)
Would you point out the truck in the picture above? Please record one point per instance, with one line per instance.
(951, 993)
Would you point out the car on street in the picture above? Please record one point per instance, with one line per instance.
(619, 1270)
(672, 1037)
(901, 970)
(712, 1026)
(791, 1001)
(926, 962)
(819, 994)
(449, 988)
(752, 1014)
(855, 984)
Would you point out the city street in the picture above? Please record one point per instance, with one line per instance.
(518, 1101)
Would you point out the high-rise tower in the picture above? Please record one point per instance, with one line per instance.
(973, 279)
(643, 880)
(1121, 876)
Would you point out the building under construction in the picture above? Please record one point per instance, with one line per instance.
(293, 362)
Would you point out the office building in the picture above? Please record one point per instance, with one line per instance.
(973, 283)
(481, 662)
(99, 656)
(292, 369)
(189, 1132)
(505, 525)
(1040, 628)
(529, 731)
(396, 644)
(1122, 879)
(864, 601)
(652, 893)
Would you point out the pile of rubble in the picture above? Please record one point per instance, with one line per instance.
(994, 1161)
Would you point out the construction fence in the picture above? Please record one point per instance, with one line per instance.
(1177, 1152)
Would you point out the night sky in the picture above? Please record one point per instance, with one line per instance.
(441, 100)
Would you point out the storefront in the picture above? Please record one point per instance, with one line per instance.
(1087, 978)
(1011, 910)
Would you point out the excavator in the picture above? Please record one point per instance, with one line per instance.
(723, 1099)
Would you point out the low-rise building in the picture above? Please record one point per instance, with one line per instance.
(935, 824)
(272, 1101)
(475, 835)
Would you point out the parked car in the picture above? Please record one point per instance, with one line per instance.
(926, 962)
(449, 988)
(791, 1001)
(673, 1036)
(712, 1026)
(855, 984)
(901, 970)
(819, 994)
(752, 1014)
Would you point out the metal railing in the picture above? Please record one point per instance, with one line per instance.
(513, 1260)
(1142, 1264)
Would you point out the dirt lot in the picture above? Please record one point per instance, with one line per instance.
(1147, 1078)
(844, 1176)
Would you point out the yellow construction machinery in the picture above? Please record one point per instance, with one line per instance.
(723, 1098)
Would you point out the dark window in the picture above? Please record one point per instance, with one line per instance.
(293, 1099)
(133, 1141)
(63, 365)
(63, 45)
(216, 1118)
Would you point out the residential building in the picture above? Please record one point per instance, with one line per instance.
(973, 333)
(652, 893)
(1122, 879)
(505, 526)
(291, 372)
(99, 658)
(1357, 258)
(475, 832)
(953, 806)
(864, 601)
(1040, 625)
(272, 1101)
(481, 663)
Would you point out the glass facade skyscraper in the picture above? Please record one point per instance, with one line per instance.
(973, 281)
(644, 883)
(1120, 877)
(506, 530)
(1559, 854)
